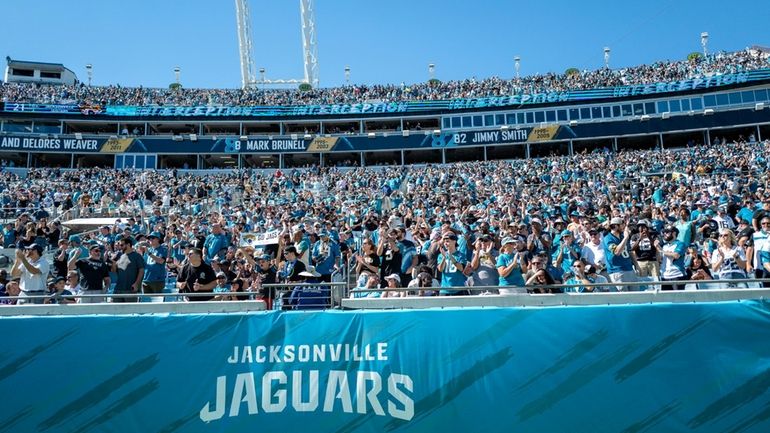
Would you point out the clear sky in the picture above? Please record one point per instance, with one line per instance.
(139, 42)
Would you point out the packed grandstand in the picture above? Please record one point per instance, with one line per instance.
(590, 218)
(664, 71)
(434, 229)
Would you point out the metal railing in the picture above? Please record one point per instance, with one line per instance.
(638, 285)
(601, 294)
(325, 296)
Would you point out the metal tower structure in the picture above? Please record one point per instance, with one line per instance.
(309, 42)
(309, 47)
(248, 74)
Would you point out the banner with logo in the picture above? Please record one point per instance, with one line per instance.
(701, 367)
(257, 239)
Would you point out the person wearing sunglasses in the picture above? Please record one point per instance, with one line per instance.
(538, 276)
(760, 242)
(729, 260)
(672, 255)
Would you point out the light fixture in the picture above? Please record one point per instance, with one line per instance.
(708, 112)
(665, 115)
(759, 106)
(645, 117)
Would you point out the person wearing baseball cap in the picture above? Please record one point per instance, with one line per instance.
(32, 268)
(566, 252)
(393, 282)
(539, 240)
(672, 258)
(155, 266)
(511, 266)
(617, 251)
(645, 250)
(324, 255)
(95, 274)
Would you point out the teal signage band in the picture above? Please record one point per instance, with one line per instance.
(705, 82)
(699, 367)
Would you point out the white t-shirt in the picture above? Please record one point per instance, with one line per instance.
(760, 240)
(594, 254)
(30, 282)
(729, 265)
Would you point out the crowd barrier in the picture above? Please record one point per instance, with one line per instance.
(336, 295)
(656, 367)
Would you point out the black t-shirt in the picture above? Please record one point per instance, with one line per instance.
(645, 249)
(92, 273)
(711, 226)
(203, 274)
(295, 270)
(53, 236)
(59, 266)
(268, 276)
(391, 263)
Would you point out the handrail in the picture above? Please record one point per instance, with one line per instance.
(562, 286)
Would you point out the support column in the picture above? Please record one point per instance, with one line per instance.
(660, 138)
(571, 149)
(707, 137)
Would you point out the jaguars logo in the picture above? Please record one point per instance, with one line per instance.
(232, 145)
(441, 140)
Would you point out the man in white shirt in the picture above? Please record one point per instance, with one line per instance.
(723, 219)
(33, 269)
(593, 253)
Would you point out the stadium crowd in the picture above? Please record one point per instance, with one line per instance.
(700, 213)
(720, 63)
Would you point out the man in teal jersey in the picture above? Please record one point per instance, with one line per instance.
(620, 262)
(451, 264)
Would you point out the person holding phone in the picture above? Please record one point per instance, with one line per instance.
(196, 276)
(451, 264)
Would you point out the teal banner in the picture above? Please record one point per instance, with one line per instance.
(700, 367)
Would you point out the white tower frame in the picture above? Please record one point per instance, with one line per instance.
(309, 46)
(309, 42)
(248, 73)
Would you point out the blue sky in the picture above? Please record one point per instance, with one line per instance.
(139, 42)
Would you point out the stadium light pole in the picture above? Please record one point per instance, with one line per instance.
(704, 40)
(517, 65)
(431, 70)
(607, 57)
(90, 73)
(347, 74)
(177, 71)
